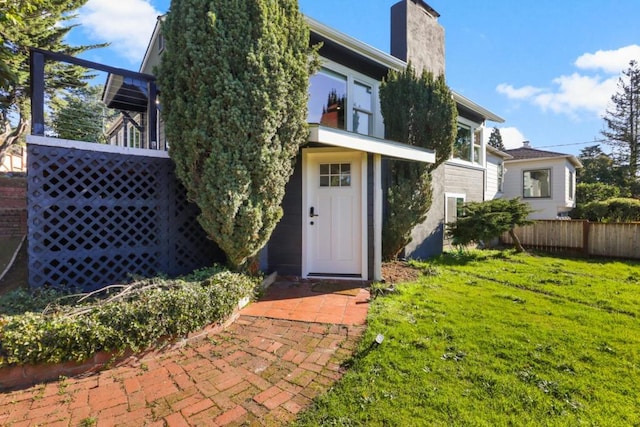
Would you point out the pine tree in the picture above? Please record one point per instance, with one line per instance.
(33, 24)
(623, 122)
(495, 139)
(418, 111)
(234, 84)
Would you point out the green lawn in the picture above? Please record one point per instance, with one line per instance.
(494, 338)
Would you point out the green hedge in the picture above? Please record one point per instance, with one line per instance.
(611, 210)
(163, 308)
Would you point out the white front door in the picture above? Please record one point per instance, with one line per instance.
(333, 214)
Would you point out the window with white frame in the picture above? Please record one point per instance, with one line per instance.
(501, 171)
(343, 99)
(572, 185)
(537, 184)
(454, 207)
(468, 143)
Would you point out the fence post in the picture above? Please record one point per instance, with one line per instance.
(36, 71)
(586, 226)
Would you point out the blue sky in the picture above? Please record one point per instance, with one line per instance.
(548, 67)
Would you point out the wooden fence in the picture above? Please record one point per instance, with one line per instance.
(616, 240)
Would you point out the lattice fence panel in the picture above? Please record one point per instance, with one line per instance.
(96, 219)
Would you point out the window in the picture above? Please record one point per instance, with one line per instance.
(327, 99)
(134, 137)
(335, 175)
(537, 183)
(454, 207)
(462, 144)
(477, 146)
(501, 171)
(572, 185)
(160, 43)
(362, 108)
(343, 99)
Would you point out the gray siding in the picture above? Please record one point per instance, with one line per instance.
(428, 236)
(285, 245)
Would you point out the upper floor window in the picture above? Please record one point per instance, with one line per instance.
(327, 98)
(468, 143)
(462, 145)
(343, 99)
(572, 185)
(501, 171)
(537, 183)
(362, 108)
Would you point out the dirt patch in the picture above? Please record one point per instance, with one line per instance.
(16, 277)
(398, 272)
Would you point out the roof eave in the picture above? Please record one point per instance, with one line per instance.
(488, 115)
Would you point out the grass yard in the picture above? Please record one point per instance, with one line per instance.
(496, 338)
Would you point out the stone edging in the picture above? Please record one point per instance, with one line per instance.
(23, 376)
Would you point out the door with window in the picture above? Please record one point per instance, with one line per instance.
(333, 215)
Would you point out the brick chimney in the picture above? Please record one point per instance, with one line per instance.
(417, 36)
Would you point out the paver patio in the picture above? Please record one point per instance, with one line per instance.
(262, 370)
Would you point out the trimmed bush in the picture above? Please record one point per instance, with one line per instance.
(612, 210)
(136, 318)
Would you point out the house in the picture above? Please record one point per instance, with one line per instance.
(544, 179)
(334, 200)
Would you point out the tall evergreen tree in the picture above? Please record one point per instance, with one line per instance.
(495, 139)
(419, 111)
(234, 85)
(623, 122)
(36, 23)
(599, 167)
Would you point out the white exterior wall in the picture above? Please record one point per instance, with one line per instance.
(492, 190)
(545, 208)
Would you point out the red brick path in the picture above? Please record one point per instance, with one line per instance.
(260, 371)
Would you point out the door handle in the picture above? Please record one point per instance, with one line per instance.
(312, 212)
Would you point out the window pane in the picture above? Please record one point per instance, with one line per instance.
(335, 169)
(327, 98)
(335, 181)
(361, 122)
(345, 181)
(324, 169)
(537, 183)
(362, 96)
(462, 144)
(324, 181)
(345, 167)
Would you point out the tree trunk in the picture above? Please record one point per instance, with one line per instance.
(11, 136)
(516, 241)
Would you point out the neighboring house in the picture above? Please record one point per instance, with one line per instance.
(15, 159)
(334, 201)
(544, 179)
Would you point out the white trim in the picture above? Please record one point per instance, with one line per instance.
(364, 249)
(446, 207)
(377, 217)
(369, 52)
(364, 235)
(353, 141)
(93, 146)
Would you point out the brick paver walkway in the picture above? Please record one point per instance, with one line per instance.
(259, 371)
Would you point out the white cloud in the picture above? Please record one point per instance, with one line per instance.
(580, 91)
(127, 25)
(524, 92)
(576, 93)
(511, 137)
(609, 61)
